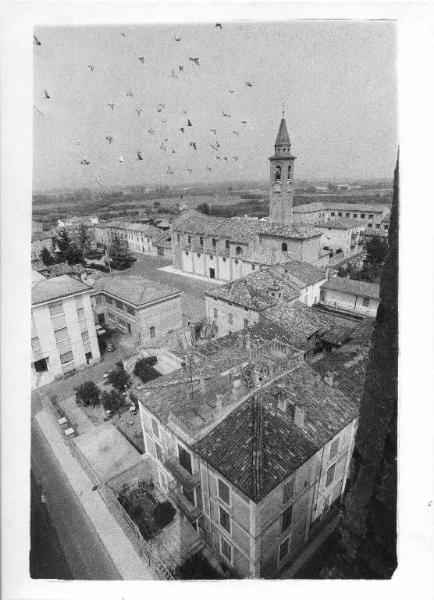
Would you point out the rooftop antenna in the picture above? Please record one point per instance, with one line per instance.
(283, 109)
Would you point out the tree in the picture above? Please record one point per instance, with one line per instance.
(46, 257)
(156, 204)
(203, 208)
(376, 250)
(87, 394)
(119, 253)
(111, 400)
(119, 379)
(63, 242)
(144, 369)
(74, 254)
(83, 239)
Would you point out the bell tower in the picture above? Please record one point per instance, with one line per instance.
(281, 177)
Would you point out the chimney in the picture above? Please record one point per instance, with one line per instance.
(282, 402)
(299, 416)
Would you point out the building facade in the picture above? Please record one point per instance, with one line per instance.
(40, 240)
(342, 236)
(357, 297)
(63, 331)
(142, 238)
(369, 215)
(138, 307)
(229, 438)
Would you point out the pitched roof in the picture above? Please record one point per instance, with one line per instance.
(312, 207)
(340, 224)
(238, 229)
(41, 235)
(352, 286)
(127, 226)
(282, 135)
(133, 289)
(56, 288)
(265, 256)
(342, 206)
(257, 446)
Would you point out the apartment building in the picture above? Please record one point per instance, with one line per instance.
(142, 238)
(253, 446)
(343, 237)
(359, 297)
(140, 308)
(63, 330)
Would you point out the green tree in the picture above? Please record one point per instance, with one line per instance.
(46, 257)
(376, 250)
(74, 254)
(63, 242)
(111, 400)
(119, 379)
(119, 253)
(87, 394)
(144, 369)
(203, 208)
(83, 239)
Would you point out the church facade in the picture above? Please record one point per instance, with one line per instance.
(227, 249)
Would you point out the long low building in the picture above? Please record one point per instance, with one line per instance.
(140, 237)
(370, 215)
(350, 295)
(140, 308)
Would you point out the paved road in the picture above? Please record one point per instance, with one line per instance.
(193, 300)
(85, 554)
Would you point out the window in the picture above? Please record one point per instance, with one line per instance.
(214, 243)
(347, 214)
(288, 490)
(386, 227)
(253, 267)
(111, 316)
(370, 216)
(66, 358)
(366, 302)
(284, 247)
(215, 314)
(224, 492)
(227, 245)
(109, 300)
(36, 344)
(225, 520)
(159, 451)
(230, 318)
(80, 313)
(238, 250)
(377, 226)
(283, 549)
(85, 337)
(61, 334)
(41, 365)
(98, 299)
(332, 214)
(177, 237)
(354, 215)
(340, 214)
(130, 310)
(225, 549)
(189, 239)
(363, 215)
(246, 323)
(185, 459)
(152, 332)
(334, 449)
(119, 305)
(155, 428)
(56, 309)
(330, 475)
(201, 241)
(286, 518)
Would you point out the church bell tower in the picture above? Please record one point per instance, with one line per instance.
(281, 178)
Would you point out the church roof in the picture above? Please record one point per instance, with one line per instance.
(282, 136)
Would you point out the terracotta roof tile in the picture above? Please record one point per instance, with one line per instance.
(352, 286)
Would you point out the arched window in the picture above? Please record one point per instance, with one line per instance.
(238, 250)
(214, 243)
(201, 241)
(277, 173)
(284, 247)
(227, 244)
(189, 239)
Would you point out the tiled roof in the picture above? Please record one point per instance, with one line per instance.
(257, 446)
(261, 255)
(312, 207)
(340, 224)
(42, 235)
(125, 226)
(64, 269)
(56, 288)
(133, 289)
(352, 286)
(341, 206)
(238, 229)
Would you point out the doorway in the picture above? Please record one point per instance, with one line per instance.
(101, 319)
(211, 273)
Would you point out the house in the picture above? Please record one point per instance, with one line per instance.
(77, 221)
(370, 215)
(36, 226)
(253, 446)
(40, 240)
(240, 303)
(359, 297)
(139, 236)
(63, 330)
(341, 236)
(141, 308)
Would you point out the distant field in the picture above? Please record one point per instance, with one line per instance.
(191, 201)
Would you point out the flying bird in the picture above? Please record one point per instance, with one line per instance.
(173, 152)
(112, 106)
(178, 39)
(163, 147)
(142, 59)
(189, 123)
(184, 112)
(139, 155)
(109, 138)
(174, 75)
(244, 122)
(130, 93)
(84, 162)
(99, 182)
(91, 67)
(151, 131)
(226, 115)
(235, 157)
(138, 111)
(190, 171)
(36, 41)
(169, 170)
(248, 84)
(193, 145)
(160, 107)
(231, 91)
(225, 158)
(195, 60)
(218, 26)
(123, 34)
(121, 159)
(182, 129)
(164, 120)
(181, 68)
(208, 169)
(235, 132)
(47, 95)
(214, 131)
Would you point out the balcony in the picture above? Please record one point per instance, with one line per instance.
(186, 479)
(185, 506)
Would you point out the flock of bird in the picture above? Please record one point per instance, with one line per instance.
(165, 144)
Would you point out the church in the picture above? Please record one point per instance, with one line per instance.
(229, 248)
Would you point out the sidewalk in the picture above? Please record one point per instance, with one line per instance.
(118, 546)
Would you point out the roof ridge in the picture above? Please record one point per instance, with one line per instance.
(257, 446)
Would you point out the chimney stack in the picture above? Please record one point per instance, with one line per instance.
(299, 416)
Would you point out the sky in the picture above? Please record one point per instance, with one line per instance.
(335, 79)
